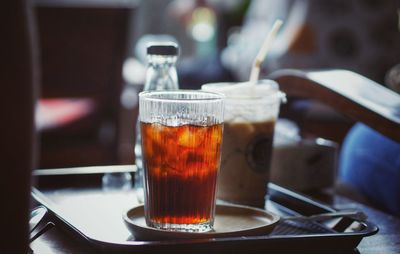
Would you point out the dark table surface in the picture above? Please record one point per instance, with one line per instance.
(387, 240)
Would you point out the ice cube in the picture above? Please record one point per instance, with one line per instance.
(191, 136)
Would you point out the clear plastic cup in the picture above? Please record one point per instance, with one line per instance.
(250, 116)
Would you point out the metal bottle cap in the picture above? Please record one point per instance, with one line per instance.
(163, 48)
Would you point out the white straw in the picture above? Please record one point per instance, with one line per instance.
(262, 53)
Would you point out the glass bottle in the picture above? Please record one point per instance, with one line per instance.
(117, 181)
(161, 75)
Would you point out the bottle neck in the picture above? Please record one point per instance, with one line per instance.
(158, 60)
(161, 73)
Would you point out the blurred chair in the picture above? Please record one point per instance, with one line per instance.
(374, 168)
(83, 46)
(348, 93)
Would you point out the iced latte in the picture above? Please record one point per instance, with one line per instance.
(250, 117)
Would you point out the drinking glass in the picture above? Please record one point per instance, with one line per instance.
(181, 143)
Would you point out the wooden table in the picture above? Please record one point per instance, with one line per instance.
(387, 240)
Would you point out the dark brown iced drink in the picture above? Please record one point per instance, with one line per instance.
(181, 142)
(181, 165)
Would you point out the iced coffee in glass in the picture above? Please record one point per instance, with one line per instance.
(250, 115)
(181, 142)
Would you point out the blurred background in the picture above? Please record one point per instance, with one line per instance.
(85, 61)
(93, 60)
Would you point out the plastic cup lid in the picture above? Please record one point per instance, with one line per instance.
(243, 90)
